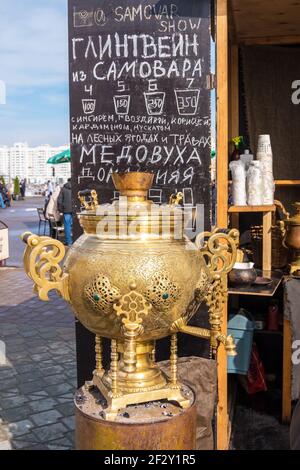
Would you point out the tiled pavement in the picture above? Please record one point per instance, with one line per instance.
(39, 377)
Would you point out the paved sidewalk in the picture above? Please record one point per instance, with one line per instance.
(39, 378)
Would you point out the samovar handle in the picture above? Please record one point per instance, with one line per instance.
(176, 199)
(88, 199)
(42, 258)
(280, 206)
(219, 249)
(283, 232)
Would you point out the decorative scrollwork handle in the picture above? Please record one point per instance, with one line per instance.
(42, 259)
(88, 199)
(176, 199)
(219, 249)
(132, 308)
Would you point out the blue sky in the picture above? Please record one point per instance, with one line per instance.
(34, 67)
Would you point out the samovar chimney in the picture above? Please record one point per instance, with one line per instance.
(133, 185)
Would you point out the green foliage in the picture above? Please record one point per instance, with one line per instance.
(2, 180)
(16, 186)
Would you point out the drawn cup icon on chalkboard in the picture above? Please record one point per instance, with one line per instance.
(155, 101)
(88, 106)
(122, 103)
(187, 101)
(83, 18)
(100, 17)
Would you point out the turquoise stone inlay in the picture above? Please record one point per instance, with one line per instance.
(96, 297)
(165, 296)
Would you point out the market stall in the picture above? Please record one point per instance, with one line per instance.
(257, 94)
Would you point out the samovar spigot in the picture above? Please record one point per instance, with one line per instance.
(228, 343)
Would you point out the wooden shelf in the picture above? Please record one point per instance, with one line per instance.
(268, 332)
(287, 182)
(263, 291)
(240, 209)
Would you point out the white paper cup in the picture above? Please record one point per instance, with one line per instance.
(264, 144)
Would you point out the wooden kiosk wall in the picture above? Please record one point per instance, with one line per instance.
(244, 22)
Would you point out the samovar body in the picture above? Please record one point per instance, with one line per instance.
(102, 272)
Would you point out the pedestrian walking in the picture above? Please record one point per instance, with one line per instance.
(23, 188)
(10, 191)
(2, 205)
(64, 204)
(51, 211)
(4, 199)
(52, 208)
(49, 190)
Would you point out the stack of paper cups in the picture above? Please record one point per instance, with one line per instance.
(265, 156)
(255, 184)
(238, 172)
(264, 144)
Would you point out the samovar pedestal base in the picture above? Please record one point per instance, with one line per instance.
(150, 426)
(115, 402)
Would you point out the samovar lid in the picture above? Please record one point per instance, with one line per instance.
(133, 208)
(133, 185)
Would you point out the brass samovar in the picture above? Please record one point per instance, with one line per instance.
(133, 277)
(291, 232)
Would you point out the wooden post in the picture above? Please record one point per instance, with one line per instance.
(235, 220)
(234, 130)
(267, 241)
(222, 199)
(234, 91)
(222, 113)
(287, 373)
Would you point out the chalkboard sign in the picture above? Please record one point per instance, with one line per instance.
(139, 99)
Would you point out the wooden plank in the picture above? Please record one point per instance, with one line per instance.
(222, 114)
(282, 182)
(232, 395)
(222, 199)
(240, 209)
(235, 220)
(287, 182)
(266, 21)
(267, 241)
(270, 41)
(234, 91)
(287, 373)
